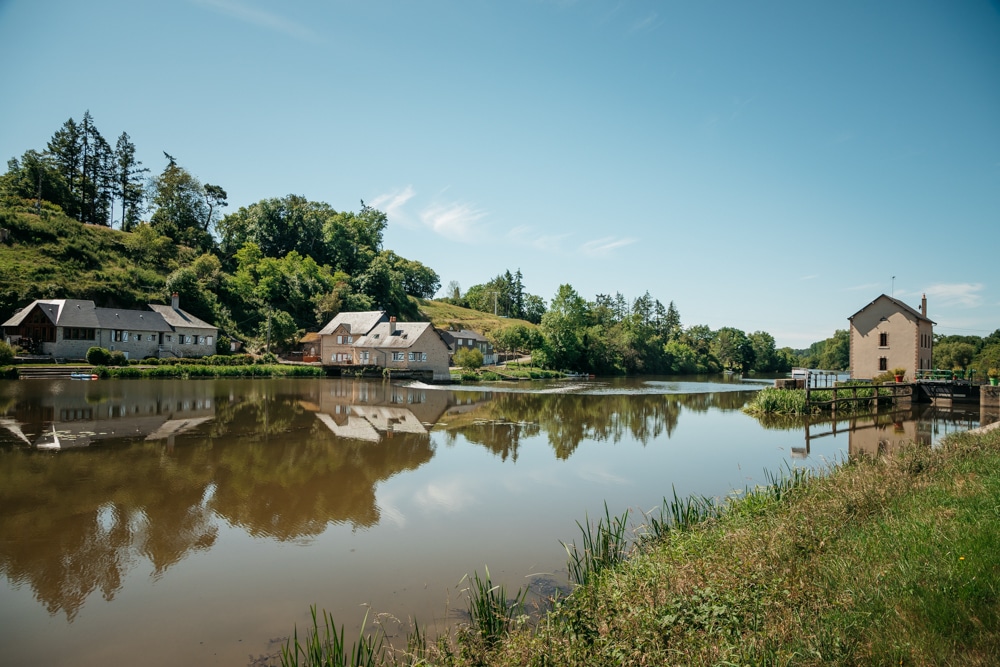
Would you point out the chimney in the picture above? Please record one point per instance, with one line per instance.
(923, 305)
(175, 301)
(392, 325)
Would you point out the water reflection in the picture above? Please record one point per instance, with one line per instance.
(876, 434)
(105, 481)
(272, 459)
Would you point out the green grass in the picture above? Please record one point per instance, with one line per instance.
(602, 546)
(771, 400)
(323, 646)
(443, 315)
(883, 561)
(491, 613)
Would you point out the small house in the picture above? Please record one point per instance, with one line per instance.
(888, 334)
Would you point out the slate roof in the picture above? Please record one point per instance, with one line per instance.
(902, 306)
(129, 320)
(393, 335)
(83, 314)
(176, 317)
(357, 324)
(74, 312)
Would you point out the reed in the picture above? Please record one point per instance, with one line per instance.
(323, 646)
(680, 514)
(603, 545)
(492, 614)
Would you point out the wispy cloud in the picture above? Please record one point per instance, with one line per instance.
(647, 22)
(526, 236)
(454, 220)
(260, 18)
(605, 246)
(813, 276)
(393, 204)
(966, 295)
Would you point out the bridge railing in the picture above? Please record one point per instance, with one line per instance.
(942, 374)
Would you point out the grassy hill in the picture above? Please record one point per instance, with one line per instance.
(53, 256)
(444, 315)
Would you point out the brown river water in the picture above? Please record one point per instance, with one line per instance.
(196, 521)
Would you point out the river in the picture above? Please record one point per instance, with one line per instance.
(196, 521)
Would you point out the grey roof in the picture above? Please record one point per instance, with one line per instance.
(451, 336)
(394, 335)
(357, 324)
(130, 320)
(61, 312)
(83, 314)
(902, 306)
(176, 317)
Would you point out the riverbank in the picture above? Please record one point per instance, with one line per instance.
(883, 561)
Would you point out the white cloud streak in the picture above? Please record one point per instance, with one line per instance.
(393, 203)
(260, 18)
(966, 295)
(455, 220)
(605, 246)
(526, 236)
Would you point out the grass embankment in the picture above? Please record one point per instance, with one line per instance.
(444, 315)
(887, 561)
(771, 400)
(511, 371)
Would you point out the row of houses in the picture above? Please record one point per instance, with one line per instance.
(884, 335)
(67, 328)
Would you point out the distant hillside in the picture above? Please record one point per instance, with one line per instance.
(443, 315)
(54, 256)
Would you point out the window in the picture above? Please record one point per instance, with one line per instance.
(883, 340)
(364, 357)
(398, 356)
(423, 356)
(350, 339)
(78, 334)
(883, 364)
(208, 340)
(340, 340)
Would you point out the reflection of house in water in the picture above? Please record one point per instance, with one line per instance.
(84, 413)
(885, 432)
(371, 412)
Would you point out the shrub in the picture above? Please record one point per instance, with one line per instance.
(117, 358)
(98, 356)
(6, 353)
(469, 358)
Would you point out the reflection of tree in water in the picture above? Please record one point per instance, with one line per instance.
(82, 520)
(568, 419)
(77, 522)
(293, 487)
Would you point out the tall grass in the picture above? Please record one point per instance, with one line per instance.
(781, 401)
(602, 546)
(492, 614)
(680, 514)
(323, 646)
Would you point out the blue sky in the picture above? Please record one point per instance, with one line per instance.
(765, 165)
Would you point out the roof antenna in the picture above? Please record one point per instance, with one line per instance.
(892, 290)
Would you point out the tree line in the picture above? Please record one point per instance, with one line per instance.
(281, 266)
